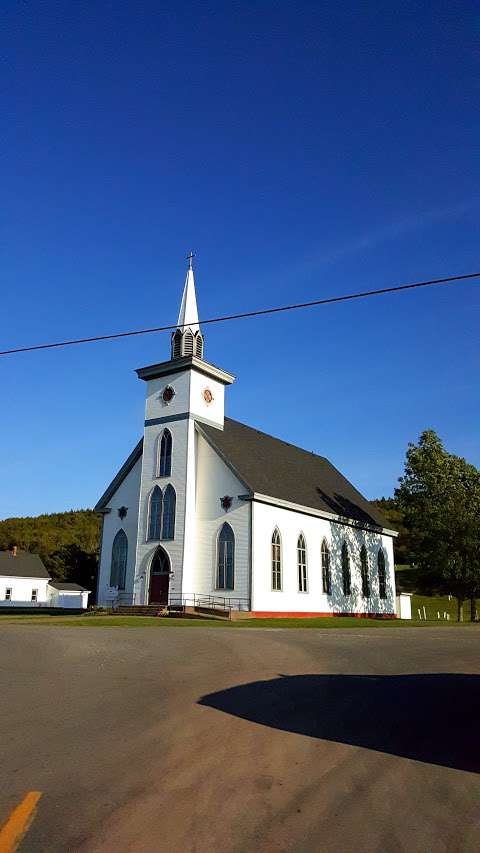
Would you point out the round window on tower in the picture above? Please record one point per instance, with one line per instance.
(207, 396)
(168, 394)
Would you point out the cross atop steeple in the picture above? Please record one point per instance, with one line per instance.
(190, 258)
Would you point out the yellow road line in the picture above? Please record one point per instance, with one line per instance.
(15, 827)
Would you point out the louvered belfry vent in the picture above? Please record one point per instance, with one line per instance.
(186, 343)
(199, 345)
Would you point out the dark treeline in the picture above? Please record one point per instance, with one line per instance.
(67, 542)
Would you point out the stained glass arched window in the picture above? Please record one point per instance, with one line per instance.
(364, 571)
(118, 567)
(226, 558)
(326, 572)
(382, 575)
(164, 454)
(276, 561)
(346, 575)
(302, 563)
(168, 519)
(155, 514)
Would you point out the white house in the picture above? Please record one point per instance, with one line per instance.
(208, 507)
(23, 579)
(25, 582)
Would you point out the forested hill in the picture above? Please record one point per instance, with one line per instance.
(67, 542)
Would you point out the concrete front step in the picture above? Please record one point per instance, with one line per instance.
(175, 610)
(139, 609)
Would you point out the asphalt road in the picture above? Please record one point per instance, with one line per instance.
(232, 740)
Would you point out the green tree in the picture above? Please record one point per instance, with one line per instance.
(440, 498)
(67, 542)
(393, 513)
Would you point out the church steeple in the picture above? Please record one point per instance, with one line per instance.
(188, 339)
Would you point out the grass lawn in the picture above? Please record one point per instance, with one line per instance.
(439, 604)
(171, 622)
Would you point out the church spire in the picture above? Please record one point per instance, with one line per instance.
(188, 339)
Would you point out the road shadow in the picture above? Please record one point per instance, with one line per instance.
(432, 717)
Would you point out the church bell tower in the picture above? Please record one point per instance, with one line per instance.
(180, 393)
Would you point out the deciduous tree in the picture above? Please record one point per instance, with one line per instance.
(440, 497)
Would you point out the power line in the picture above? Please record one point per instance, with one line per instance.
(246, 314)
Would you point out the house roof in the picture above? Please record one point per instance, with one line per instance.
(66, 586)
(272, 467)
(24, 565)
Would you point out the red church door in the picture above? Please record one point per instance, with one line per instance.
(159, 578)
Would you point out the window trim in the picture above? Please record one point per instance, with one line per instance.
(305, 591)
(217, 565)
(276, 531)
(8, 593)
(34, 596)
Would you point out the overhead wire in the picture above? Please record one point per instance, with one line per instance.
(247, 314)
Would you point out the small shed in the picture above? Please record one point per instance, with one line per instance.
(66, 594)
(404, 605)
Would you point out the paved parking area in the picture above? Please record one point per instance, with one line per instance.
(152, 740)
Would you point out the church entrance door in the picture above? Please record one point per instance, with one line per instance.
(159, 578)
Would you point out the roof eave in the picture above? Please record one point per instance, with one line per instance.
(101, 505)
(319, 513)
(188, 362)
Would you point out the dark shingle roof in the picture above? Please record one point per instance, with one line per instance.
(275, 468)
(66, 586)
(24, 565)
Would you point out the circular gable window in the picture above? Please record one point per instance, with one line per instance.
(168, 394)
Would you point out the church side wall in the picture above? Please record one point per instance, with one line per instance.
(127, 496)
(290, 524)
(214, 481)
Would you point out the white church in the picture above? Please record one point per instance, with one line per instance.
(207, 511)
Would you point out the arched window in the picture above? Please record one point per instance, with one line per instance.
(198, 345)
(168, 520)
(302, 563)
(326, 573)
(155, 514)
(188, 342)
(364, 570)
(382, 575)
(226, 558)
(118, 568)
(164, 454)
(346, 576)
(276, 561)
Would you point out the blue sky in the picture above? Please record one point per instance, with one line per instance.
(302, 150)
